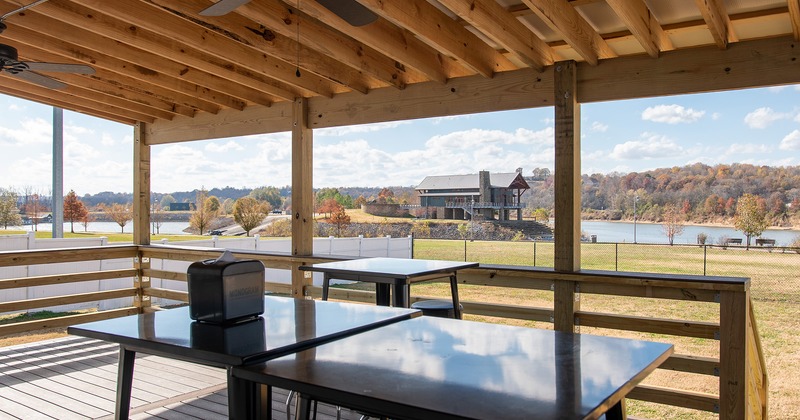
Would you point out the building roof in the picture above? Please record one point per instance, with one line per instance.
(470, 182)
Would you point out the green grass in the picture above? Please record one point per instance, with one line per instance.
(112, 236)
(32, 316)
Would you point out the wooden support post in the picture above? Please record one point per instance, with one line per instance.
(733, 363)
(141, 186)
(567, 232)
(302, 194)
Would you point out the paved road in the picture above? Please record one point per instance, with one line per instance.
(236, 230)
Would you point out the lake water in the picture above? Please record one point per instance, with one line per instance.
(171, 228)
(605, 231)
(653, 233)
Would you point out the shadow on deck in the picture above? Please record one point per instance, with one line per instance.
(75, 378)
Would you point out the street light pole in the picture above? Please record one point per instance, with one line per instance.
(635, 199)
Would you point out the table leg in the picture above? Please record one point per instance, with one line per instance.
(248, 400)
(382, 294)
(454, 294)
(124, 383)
(400, 296)
(326, 283)
(303, 407)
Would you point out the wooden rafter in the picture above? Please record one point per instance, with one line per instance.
(497, 23)
(562, 17)
(442, 33)
(145, 16)
(794, 15)
(718, 21)
(643, 25)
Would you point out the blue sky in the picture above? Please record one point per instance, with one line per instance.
(758, 126)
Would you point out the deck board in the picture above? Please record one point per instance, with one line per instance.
(75, 378)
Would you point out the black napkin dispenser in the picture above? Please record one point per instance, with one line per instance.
(225, 290)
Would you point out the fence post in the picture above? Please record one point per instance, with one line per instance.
(360, 245)
(534, 253)
(705, 258)
(616, 256)
(255, 241)
(465, 250)
(411, 240)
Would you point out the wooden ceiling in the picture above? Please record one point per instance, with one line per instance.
(193, 77)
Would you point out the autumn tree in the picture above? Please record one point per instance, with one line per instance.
(156, 217)
(751, 216)
(203, 215)
(249, 213)
(120, 214)
(328, 206)
(166, 201)
(340, 218)
(33, 209)
(74, 209)
(672, 224)
(9, 212)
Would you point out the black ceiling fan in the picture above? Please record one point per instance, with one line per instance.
(350, 11)
(9, 61)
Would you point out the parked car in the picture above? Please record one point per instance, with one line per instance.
(216, 232)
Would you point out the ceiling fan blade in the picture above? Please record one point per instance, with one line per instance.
(222, 7)
(350, 11)
(39, 79)
(61, 68)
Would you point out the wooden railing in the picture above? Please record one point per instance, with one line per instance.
(743, 382)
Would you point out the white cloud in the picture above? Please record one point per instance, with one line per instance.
(776, 89)
(747, 148)
(791, 141)
(15, 107)
(353, 129)
(36, 130)
(219, 147)
(716, 116)
(653, 146)
(477, 137)
(439, 120)
(671, 114)
(599, 127)
(763, 117)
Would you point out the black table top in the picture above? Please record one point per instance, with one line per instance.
(287, 325)
(399, 268)
(442, 368)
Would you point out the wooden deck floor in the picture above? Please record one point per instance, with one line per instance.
(75, 378)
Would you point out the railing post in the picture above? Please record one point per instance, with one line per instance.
(705, 258)
(734, 310)
(141, 282)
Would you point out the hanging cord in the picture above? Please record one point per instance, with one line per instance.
(22, 9)
(297, 18)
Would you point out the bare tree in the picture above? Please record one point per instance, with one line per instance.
(673, 222)
(156, 217)
(119, 214)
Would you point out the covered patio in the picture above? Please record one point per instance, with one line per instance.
(267, 66)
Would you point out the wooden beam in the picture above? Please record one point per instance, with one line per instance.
(442, 33)
(146, 16)
(643, 25)
(747, 64)
(495, 22)
(794, 15)
(141, 186)
(302, 193)
(562, 17)
(13, 89)
(717, 20)
(567, 169)
(234, 25)
(281, 19)
(695, 70)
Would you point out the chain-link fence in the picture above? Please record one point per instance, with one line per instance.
(773, 271)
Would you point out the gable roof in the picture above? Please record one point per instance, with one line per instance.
(470, 182)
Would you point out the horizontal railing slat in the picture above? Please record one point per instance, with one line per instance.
(65, 321)
(650, 325)
(61, 255)
(675, 397)
(66, 278)
(22, 305)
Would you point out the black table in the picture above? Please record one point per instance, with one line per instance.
(440, 368)
(287, 325)
(397, 273)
